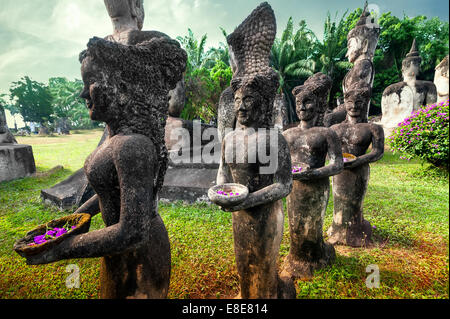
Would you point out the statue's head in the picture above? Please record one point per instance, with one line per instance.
(363, 38)
(311, 97)
(129, 9)
(357, 99)
(253, 99)
(124, 83)
(411, 64)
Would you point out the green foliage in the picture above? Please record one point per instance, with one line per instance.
(195, 50)
(207, 75)
(33, 100)
(203, 90)
(67, 103)
(424, 135)
(331, 52)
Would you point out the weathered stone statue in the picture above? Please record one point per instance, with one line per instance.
(258, 220)
(126, 87)
(16, 160)
(5, 135)
(441, 81)
(399, 100)
(307, 203)
(349, 187)
(361, 44)
(320, 81)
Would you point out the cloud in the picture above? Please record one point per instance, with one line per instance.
(42, 38)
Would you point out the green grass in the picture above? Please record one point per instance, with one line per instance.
(407, 202)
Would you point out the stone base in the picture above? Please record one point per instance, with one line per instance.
(355, 235)
(70, 193)
(16, 161)
(303, 268)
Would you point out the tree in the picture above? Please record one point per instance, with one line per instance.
(207, 74)
(195, 50)
(33, 100)
(203, 90)
(291, 57)
(219, 54)
(68, 107)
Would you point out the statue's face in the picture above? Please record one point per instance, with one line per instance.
(411, 69)
(92, 90)
(354, 48)
(306, 108)
(246, 104)
(354, 105)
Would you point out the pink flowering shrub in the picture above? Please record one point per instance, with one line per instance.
(424, 135)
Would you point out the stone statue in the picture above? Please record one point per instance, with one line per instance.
(320, 81)
(399, 100)
(177, 99)
(349, 187)
(307, 203)
(441, 80)
(258, 220)
(361, 44)
(226, 119)
(126, 87)
(5, 135)
(127, 17)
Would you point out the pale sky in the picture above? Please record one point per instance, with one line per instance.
(42, 38)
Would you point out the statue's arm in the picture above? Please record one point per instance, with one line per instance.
(132, 162)
(91, 206)
(223, 174)
(282, 185)
(335, 165)
(377, 148)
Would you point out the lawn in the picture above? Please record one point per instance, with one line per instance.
(407, 202)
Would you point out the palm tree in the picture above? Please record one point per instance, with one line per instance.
(195, 50)
(291, 57)
(221, 53)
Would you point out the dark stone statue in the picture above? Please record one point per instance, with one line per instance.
(127, 88)
(349, 187)
(307, 203)
(361, 44)
(258, 220)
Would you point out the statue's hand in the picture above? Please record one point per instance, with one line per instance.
(352, 164)
(302, 176)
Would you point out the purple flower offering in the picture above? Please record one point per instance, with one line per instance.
(296, 169)
(50, 234)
